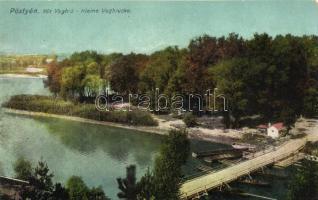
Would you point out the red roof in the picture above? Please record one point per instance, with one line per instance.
(279, 126)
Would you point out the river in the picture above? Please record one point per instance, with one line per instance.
(99, 154)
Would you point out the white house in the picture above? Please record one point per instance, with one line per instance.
(273, 130)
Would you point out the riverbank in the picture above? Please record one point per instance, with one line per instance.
(19, 75)
(148, 129)
(162, 128)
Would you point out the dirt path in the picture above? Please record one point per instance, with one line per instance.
(163, 127)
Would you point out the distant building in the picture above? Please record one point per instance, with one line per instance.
(272, 130)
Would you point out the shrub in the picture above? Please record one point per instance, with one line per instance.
(190, 120)
(141, 118)
(23, 169)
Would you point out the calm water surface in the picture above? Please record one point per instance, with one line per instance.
(99, 154)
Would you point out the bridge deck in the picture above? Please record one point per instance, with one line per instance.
(213, 180)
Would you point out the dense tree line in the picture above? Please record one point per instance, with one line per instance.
(273, 77)
(17, 61)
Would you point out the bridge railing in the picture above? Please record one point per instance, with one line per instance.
(217, 169)
(235, 176)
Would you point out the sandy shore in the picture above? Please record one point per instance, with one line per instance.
(22, 76)
(228, 136)
(307, 126)
(163, 127)
(148, 129)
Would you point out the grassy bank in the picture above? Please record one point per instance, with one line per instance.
(46, 104)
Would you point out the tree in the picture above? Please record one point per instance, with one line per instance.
(304, 184)
(232, 46)
(161, 67)
(92, 84)
(260, 48)
(232, 81)
(290, 57)
(23, 169)
(59, 192)
(77, 189)
(146, 187)
(86, 57)
(42, 177)
(311, 102)
(53, 81)
(128, 185)
(288, 117)
(41, 185)
(124, 73)
(203, 52)
(71, 82)
(167, 170)
(97, 193)
(164, 181)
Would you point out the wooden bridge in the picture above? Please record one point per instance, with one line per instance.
(11, 187)
(196, 187)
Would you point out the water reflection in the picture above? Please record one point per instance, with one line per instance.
(119, 144)
(98, 153)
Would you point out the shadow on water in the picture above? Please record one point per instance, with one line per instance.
(118, 143)
(98, 153)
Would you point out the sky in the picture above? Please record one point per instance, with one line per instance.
(149, 26)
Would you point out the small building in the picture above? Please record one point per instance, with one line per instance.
(272, 130)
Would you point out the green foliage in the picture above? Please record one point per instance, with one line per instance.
(16, 61)
(128, 186)
(42, 177)
(37, 103)
(141, 118)
(311, 101)
(232, 81)
(78, 190)
(167, 170)
(146, 187)
(124, 73)
(97, 193)
(23, 169)
(59, 192)
(165, 180)
(304, 184)
(190, 120)
(311, 148)
(53, 81)
(288, 117)
(160, 69)
(71, 83)
(42, 187)
(259, 76)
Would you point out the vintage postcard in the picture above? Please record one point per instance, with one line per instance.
(159, 100)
